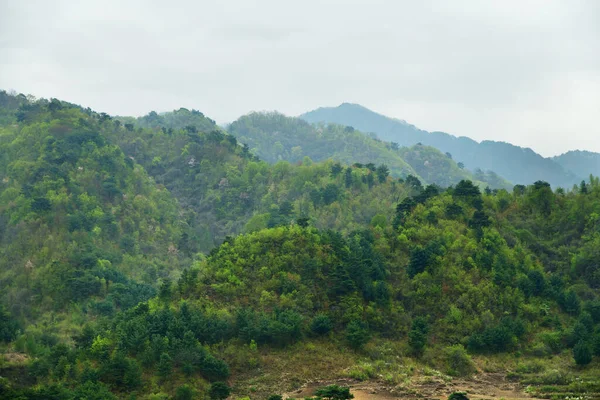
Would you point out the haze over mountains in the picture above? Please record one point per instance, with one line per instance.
(518, 165)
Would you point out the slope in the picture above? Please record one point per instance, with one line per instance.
(516, 164)
(582, 163)
(79, 221)
(274, 137)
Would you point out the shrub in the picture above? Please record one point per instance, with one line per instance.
(459, 361)
(334, 392)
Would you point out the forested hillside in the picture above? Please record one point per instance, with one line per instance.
(76, 213)
(154, 260)
(516, 164)
(582, 163)
(275, 137)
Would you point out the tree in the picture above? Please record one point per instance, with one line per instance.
(8, 325)
(458, 396)
(461, 165)
(348, 177)
(165, 366)
(321, 324)
(419, 258)
(357, 334)
(582, 353)
(417, 337)
(219, 391)
(334, 392)
(184, 392)
(382, 173)
(570, 302)
(303, 222)
(336, 169)
(413, 182)
(214, 369)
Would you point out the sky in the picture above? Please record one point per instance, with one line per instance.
(525, 72)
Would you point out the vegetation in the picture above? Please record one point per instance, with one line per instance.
(274, 137)
(518, 165)
(151, 262)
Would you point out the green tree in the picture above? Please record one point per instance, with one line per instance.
(219, 391)
(184, 392)
(165, 366)
(321, 324)
(582, 353)
(334, 392)
(357, 334)
(417, 337)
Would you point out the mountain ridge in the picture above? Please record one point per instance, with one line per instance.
(498, 156)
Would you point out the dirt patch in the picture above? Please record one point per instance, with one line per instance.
(16, 358)
(483, 386)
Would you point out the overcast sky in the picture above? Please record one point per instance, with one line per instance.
(526, 72)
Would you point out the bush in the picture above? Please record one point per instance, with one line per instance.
(334, 392)
(459, 361)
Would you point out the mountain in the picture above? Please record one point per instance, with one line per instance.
(582, 163)
(516, 164)
(274, 137)
(166, 262)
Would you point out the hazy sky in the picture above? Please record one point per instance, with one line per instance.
(527, 72)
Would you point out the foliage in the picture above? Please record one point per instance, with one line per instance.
(334, 392)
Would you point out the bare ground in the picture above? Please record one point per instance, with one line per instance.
(481, 386)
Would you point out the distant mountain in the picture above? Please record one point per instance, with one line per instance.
(274, 137)
(582, 163)
(517, 164)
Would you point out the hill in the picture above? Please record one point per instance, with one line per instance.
(116, 282)
(582, 163)
(79, 221)
(273, 137)
(516, 164)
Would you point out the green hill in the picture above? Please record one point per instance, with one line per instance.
(166, 263)
(274, 137)
(77, 215)
(582, 163)
(516, 164)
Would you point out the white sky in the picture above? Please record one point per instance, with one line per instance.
(526, 72)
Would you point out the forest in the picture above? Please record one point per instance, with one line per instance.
(165, 257)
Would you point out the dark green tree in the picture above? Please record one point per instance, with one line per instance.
(417, 337)
(357, 334)
(582, 353)
(321, 324)
(334, 392)
(165, 366)
(219, 391)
